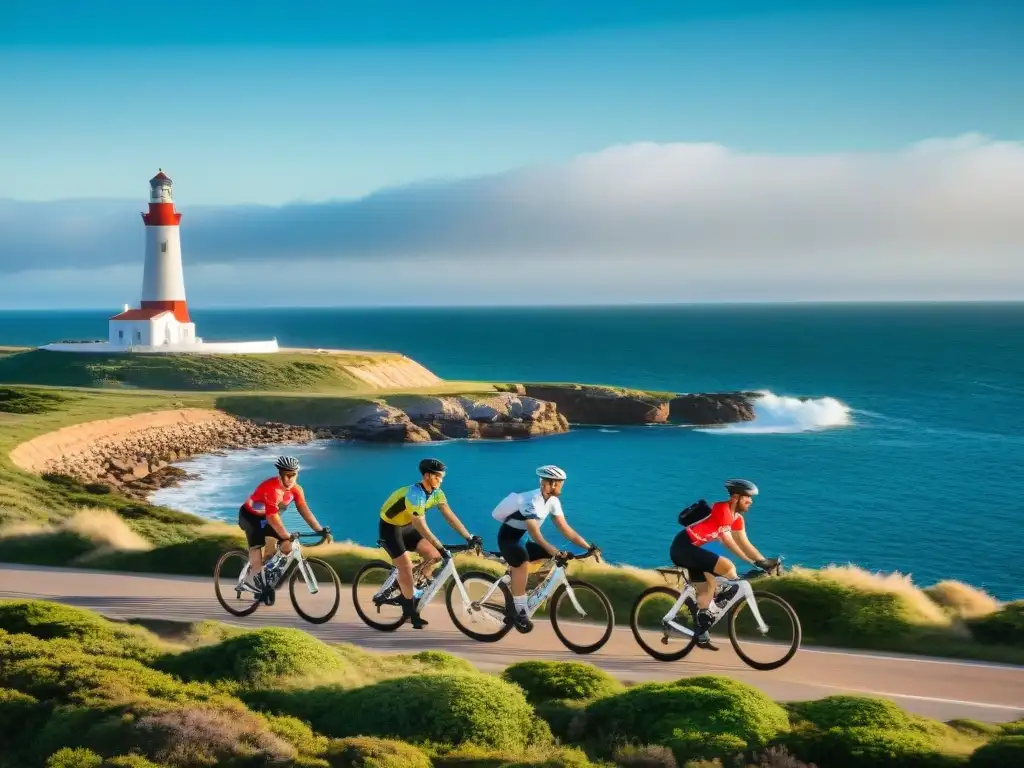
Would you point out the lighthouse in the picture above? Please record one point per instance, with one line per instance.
(162, 319)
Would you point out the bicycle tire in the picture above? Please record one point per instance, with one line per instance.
(602, 598)
(793, 647)
(297, 573)
(450, 591)
(380, 626)
(216, 584)
(635, 627)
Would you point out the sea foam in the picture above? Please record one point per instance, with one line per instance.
(779, 414)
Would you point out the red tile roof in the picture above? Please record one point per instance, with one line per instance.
(140, 314)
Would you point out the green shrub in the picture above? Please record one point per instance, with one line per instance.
(547, 680)
(19, 713)
(24, 401)
(1004, 627)
(91, 633)
(566, 717)
(844, 711)
(1013, 728)
(548, 757)
(868, 747)
(649, 756)
(73, 758)
(298, 734)
(368, 752)
(777, 757)
(442, 708)
(999, 753)
(128, 761)
(256, 658)
(439, 661)
(704, 716)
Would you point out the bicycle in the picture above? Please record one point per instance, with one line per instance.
(279, 567)
(389, 594)
(745, 597)
(555, 585)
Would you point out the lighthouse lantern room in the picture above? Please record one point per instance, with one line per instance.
(162, 319)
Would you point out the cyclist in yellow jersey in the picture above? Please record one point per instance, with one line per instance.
(403, 529)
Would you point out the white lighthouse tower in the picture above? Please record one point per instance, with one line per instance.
(162, 319)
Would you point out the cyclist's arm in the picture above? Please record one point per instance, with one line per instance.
(730, 544)
(741, 541)
(419, 522)
(533, 528)
(306, 512)
(453, 521)
(568, 532)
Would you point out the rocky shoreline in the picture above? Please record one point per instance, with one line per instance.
(134, 455)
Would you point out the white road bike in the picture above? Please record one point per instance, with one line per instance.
(649, 613)
(376, 586)
(575, 594)
(317, 575)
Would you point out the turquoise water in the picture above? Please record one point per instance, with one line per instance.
(921, 478)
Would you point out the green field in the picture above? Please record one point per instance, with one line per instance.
(80, 691)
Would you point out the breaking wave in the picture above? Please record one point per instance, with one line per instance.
(778, 414)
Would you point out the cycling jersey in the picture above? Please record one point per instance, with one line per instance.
(408, 502)
(720, 520)
(272, 498)
(516, 508)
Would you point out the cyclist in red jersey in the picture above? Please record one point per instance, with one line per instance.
(260, 517)
(724, 523)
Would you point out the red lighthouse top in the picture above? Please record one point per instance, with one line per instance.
(161, 203)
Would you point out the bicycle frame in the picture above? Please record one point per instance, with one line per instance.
(539, 594)
(295, 556)
(448, 571)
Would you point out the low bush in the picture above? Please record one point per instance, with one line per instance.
(263, 656)
(545, 757)
(367, 752)
(999, 753)
(549, 680)
(439, 661)
(443, 708)
(25, 401)
(698, 717)
(1004, 627)
(92, 634)
(649, 756)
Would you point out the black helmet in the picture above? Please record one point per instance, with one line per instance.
(431, 465)
(287, 464)
(741, 487)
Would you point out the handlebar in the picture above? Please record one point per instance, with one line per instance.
(295, 536)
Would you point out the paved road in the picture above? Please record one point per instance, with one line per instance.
(940, 689)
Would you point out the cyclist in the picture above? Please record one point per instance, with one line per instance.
(525, 512)
(260, 517)
(403, 529)
(723, 523)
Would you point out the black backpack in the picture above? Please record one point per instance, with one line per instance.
(694, 513)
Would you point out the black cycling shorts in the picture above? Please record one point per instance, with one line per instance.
(399, 539)
(516, 553)
(697, 560)
(256, 528)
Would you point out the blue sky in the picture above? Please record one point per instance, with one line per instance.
(302, 103)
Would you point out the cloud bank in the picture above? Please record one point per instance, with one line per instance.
(941, 215)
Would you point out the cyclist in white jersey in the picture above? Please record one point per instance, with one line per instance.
(525, 512)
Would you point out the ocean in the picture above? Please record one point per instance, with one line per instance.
(906, 457)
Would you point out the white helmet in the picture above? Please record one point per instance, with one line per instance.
(551, 472)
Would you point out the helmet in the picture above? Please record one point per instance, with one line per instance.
(287, 464)
(431, 465)
(741, 487)
(551, 472)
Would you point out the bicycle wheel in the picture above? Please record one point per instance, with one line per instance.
(595, 625)
(647, 614)
(366, 588)
(328, 592)
(777, 613)
(243, 602)
(487, 619)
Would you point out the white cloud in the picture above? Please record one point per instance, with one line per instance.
(661, 222)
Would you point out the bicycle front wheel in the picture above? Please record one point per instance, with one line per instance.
(757, 649)
(589, 630)
(646, 620)
(481, 620)
(322, 591)
(371, 597)
(233, 597)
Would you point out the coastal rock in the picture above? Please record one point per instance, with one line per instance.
(707, 409)
(602, 405)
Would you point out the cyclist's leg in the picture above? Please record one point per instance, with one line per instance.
(394, 544)
(517, 556)
(255, 538)
(414, 541)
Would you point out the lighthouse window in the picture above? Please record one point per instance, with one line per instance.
(163, 247)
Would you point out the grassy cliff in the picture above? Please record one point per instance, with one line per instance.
(79, 690)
